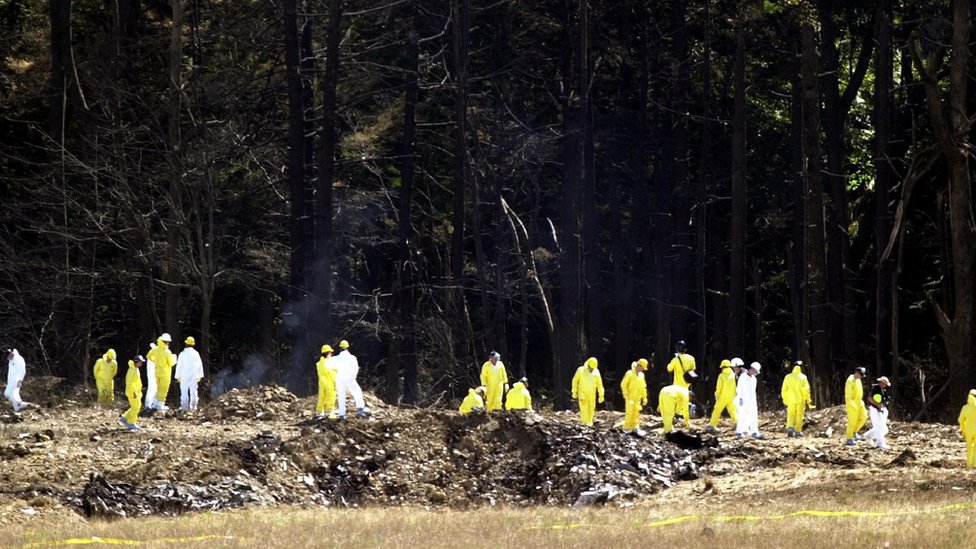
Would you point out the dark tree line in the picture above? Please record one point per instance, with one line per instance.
(775, 180)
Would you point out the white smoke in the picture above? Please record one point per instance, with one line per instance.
(255, 370)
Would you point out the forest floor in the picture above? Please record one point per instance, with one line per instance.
(67, 460)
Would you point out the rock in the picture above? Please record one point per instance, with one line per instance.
(592, 497)
(906, 457)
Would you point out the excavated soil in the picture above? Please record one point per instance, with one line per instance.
(65, 457)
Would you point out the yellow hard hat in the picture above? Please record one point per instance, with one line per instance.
(190, 341)
(343, 344)
(643, 362)
(726, 364)
(877, 398)
(110, 354)
(591, 362)
(327, 349)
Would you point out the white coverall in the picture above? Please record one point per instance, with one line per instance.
(189, 370)
(347, 368)
(879, 426)
(745, 394)
(150, 396)
(16, 370)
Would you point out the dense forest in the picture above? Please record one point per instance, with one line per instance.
(434, 180)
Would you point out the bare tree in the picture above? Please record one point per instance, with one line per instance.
(175, 153)
(814, 244)
(951, 125)
(737, 263)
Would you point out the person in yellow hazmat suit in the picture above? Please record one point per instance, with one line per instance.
(724, 396)
(672, 400)
(105, 371)
(327, 385)
(518, 397)
(682, 365)
(473, 403)
(587, 389)
(634, 388)
(164, 361)
(857, 412)
(796, 396)
(683, 368)
(495, 380)
(967, 424)
(133, 392)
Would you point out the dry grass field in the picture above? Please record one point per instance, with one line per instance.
(892, 522)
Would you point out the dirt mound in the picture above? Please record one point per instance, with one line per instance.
(442, 458)
(101, 498)
(50, 391)
(261, 402)
(271, 402)
(262, 446)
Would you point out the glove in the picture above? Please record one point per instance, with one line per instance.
(601, 400)
(574, 396)
(179, 380)
(199, 379)
(644, 402)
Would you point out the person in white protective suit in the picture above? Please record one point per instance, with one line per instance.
(150, 396)
(745, 394)
(878, 412)
(16, 371)
(189, 372)
(347, 368)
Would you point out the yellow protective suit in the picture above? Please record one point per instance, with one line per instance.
(796, 397)
(327, 387)
(725, 395)
(133, 392)
(164, 361)
(494, 378)
(857, 413)
(634, 388)
(587, 388)
(105, 371)
(472, 402)
(518, 397)
(673, 399)
(967, 424)
(679, 365)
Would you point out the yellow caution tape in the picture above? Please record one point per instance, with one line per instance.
(114, 541)
(749, 518)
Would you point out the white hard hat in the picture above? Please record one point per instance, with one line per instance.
(166, 337)
(755, 366)
(737, 362)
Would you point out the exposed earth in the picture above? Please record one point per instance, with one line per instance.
(68, 459)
